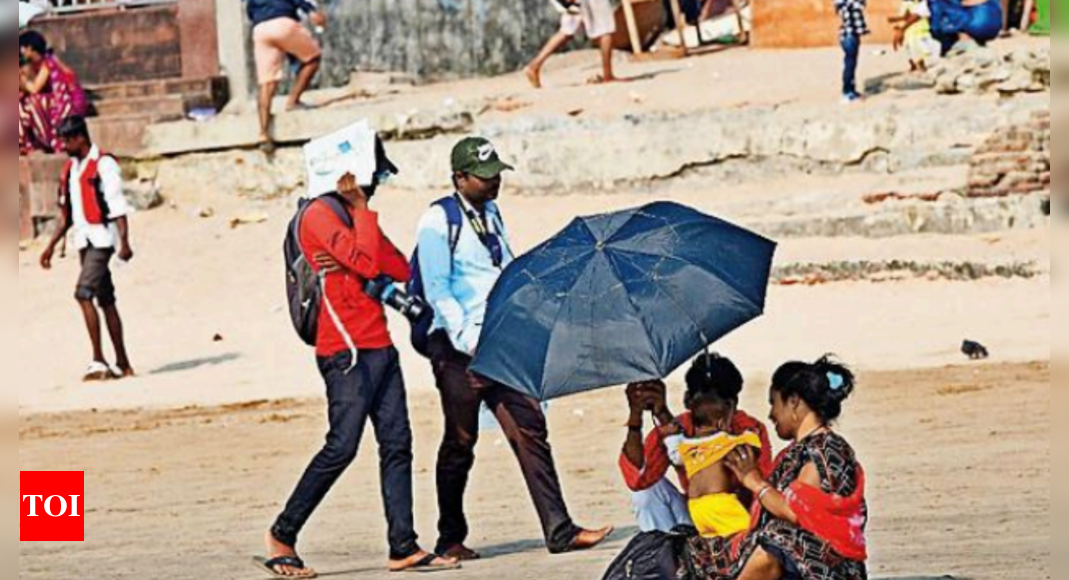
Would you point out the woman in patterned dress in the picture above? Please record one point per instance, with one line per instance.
(49, 92)
(811, 515)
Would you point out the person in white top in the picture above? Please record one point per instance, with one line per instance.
(92, 204)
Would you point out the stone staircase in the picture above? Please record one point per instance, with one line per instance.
(125, 110)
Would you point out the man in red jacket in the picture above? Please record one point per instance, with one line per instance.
(362, 371)
(645, 462)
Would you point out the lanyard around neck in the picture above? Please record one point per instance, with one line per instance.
(493, 242)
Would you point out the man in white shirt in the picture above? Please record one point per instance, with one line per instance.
(93, 205)
(460, 263)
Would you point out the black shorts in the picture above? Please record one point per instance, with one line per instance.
(95, 282)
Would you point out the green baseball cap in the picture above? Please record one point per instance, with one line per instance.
(478, 157)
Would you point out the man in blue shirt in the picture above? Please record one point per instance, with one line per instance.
(457, 283)
(277, 33)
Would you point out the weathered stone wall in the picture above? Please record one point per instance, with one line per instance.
(39, 178)
(422, 38)
(136, 45)
(1013, 161)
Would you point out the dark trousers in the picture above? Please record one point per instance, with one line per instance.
(374, 390)
(524, 425)
(852, 56)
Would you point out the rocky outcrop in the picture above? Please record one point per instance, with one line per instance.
(986, 70)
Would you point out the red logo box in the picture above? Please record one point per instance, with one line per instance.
(53, 506)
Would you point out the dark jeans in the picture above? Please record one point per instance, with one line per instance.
(852, 55)
(524, 425)
(950, 20)
(374, 390)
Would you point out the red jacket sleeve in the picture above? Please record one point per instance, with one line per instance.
(656, 468)
(358, 250)
(393, 263)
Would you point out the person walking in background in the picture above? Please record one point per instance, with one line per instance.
(93, 205)
(364, 381)
(463, 249)
(598, 19)
(49, 92)
(277, 33)
(854, 27)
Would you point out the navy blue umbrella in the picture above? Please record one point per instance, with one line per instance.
(619, 298)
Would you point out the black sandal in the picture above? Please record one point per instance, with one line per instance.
(270, 566)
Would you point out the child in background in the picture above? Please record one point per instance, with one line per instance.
(913, 30)
(852, 13)
(715, 508)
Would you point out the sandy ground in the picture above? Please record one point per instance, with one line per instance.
(960, 483)
(194, 279)
(721, 79)
(961, 479)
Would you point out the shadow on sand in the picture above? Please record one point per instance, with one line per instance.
(189, 365)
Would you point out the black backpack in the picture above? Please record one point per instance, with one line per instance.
(652, 556)
(304, 288)
(421, 329)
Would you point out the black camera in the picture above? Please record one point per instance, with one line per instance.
(385, 290)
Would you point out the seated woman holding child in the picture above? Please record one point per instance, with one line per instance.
(49, 92)
(695, 444)
(811, 516)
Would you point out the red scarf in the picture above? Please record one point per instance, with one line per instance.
(838, 520)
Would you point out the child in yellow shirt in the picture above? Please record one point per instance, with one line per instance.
(714, 506)
(913, 30)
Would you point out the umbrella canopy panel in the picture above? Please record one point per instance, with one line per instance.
(621, 297)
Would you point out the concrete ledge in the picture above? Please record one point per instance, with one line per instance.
(296, 128)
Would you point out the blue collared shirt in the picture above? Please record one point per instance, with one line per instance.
(458, 288)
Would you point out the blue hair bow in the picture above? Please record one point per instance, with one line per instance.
(836, 381)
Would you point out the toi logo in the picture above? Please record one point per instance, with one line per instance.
(53, 506)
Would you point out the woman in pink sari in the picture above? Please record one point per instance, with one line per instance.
(49, 92)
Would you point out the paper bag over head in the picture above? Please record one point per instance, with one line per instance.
(350, 150)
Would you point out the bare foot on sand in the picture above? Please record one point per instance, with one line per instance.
(283, 560)
(534, 76)
(590, 539)
(300, 106)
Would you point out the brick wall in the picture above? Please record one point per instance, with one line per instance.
(813, 23)
(1013, 161)
(107, 47)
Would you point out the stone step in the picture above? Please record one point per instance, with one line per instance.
(159, 108)
(122, 135)
(214, 87)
